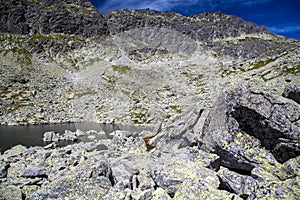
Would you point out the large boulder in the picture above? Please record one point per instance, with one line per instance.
(245, 123)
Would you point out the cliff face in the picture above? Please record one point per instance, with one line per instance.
(77, 17)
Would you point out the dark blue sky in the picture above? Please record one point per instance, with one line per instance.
(279, 16)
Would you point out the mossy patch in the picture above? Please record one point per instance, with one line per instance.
(122, 69)
(176, 108)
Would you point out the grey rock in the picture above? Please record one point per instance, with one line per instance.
(68, 135)
(191, 189)
(34, 172)
(14, 153)
(160, 194)
(50, 136)
(174, 134)
(244, 186)
(79, 133)
(242, 118)
(20, 18)
(10, 192)
(171, 176)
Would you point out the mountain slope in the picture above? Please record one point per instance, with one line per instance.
(138, 66)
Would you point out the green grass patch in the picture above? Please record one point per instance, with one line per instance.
(110, 79)
(122, 69)
(176, 108)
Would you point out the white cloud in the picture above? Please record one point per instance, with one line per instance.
(281, 29)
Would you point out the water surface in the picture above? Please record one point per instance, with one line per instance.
(33, 135)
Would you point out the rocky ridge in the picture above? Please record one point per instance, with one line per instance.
(224, 93)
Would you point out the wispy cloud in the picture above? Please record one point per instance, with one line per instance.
(162, 5)
(282, 29)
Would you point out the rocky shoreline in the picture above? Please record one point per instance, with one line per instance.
(219, 153)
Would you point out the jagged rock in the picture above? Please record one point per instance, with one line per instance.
(79, 133)
(289, 169)
(126, 166)
(128, 144)
(236, 183)
(139, 194)
(242, 123)
(177, 133)
(292, 92)
(67, 17)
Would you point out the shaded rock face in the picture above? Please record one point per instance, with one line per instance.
(292, 92)
(82, 18)
(207, 27)
(265, 121)
(68, 17)
(122, 20)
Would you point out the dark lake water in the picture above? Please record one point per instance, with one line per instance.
(33, 135)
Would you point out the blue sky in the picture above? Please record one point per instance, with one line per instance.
(279, 16)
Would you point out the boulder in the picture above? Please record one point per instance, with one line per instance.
(242, 123)
(50, 136)
(14, 153)
(79, 133)
(160, 194)
(177, 133)
(194, 190)
(242, 185)
(69, 135)
(171, 176)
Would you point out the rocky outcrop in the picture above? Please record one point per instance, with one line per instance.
(78, 17)
(273, 122)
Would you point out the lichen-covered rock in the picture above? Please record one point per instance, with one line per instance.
(239, 184)
(172, 175)
(14, 153)
(10, 192)
(160, 194)
(191, 189)
(243, 123)
(34, 172)
(177, 133)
